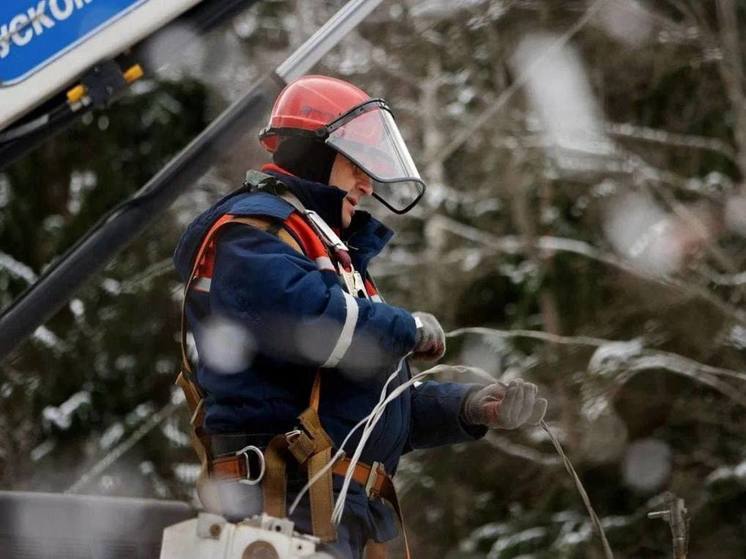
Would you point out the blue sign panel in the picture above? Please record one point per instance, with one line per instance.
(35, 32)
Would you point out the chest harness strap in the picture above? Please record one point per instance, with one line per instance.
(310, 446)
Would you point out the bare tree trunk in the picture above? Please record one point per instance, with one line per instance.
(731, 70)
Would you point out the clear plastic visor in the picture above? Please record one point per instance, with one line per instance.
(369, 137)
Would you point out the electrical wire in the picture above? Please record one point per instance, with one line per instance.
(375, 416)
(370, 422)
(583, 494)
(340, 452)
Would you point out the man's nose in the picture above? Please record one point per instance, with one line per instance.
(366, 185)
(364, 182)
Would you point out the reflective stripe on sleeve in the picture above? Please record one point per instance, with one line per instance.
(345, 336)
(325, 263)
(202, 284)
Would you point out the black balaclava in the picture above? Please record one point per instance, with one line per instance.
(306, 158)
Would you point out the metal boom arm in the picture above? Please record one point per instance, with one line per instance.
(123, 224)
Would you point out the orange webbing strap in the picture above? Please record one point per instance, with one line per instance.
(313, 401)
(203, 264)
(320, 494)
(204, 259)
(274, 484)
(313, 248)
(375, 550)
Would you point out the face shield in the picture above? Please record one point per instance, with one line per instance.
(368, 136)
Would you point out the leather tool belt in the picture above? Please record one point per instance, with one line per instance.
(247, 465)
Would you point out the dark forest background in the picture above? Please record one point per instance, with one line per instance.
(583, 228)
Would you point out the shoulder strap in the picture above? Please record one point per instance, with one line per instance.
(203, 257)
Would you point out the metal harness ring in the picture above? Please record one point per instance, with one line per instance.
(262, 464)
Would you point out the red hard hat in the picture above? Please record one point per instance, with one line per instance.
(309, 103)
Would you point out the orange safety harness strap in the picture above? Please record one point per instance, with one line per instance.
(310, 446)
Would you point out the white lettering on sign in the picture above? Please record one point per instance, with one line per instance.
(23, 27)
(20, 22)
(39, 19)
(61, 9)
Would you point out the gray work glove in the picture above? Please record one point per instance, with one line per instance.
(504, 406)
(430, 343)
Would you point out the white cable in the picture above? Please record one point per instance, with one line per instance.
(340, 452)
(374, 416)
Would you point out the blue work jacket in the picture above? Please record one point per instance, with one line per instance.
(295, 314)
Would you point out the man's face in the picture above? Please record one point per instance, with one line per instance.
(350, 178)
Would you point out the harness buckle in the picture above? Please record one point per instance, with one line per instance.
(290, 436)
(252, 480)
(376, 469)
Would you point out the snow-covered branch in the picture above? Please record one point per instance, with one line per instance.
(495, 106)
(516, 245)
(664, 137)
(630, 356)
(16, 268)
(532, 334)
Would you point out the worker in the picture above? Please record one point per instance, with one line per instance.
(278, 270)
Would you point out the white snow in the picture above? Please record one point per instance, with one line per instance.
(571, 535)
(80, 183)
(736, 337)
(503, 544)
(16, 268)
(187, 472)
(608, 358)
(40, 451)
(111, 286)
(111, 436)
(441, 9)
(47, 337)
(141, 412)
(722, 473)
(172, 432)
(77, 308)
(62, 415)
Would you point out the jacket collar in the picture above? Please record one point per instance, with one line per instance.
(366, 236)
(325, 200)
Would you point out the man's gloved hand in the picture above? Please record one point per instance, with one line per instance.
(504, 406)
(430, 343)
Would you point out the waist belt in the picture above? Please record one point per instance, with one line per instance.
(222, 444)
(245, 465)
